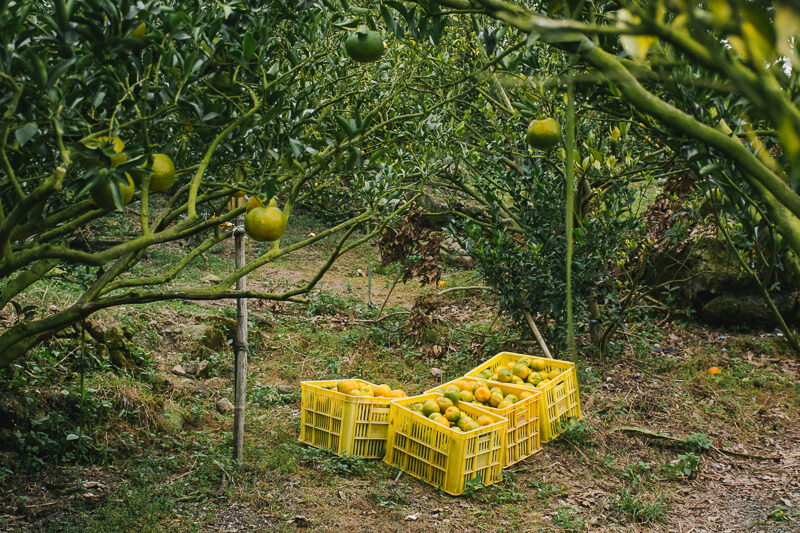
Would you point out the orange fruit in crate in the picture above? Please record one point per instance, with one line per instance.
(504, 375)
(452, 414)
(429, 407)
(397, 393)
(463, 384)
(383, 390)
(466, 396)
(553, 374)
(504, 404)
(356, 392)
(484, 420)
(452, 393)
(516, 380)
(537, 365)
(521, 370)
(444, 404)
(496, 398)
(525, 395)
(346, 386)
(482, 394)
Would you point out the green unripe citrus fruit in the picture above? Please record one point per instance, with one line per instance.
(364, 45)
(103, 192)
(543, 134)
(265, 224)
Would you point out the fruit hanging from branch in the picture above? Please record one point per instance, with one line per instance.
(265, 223)
(364, 45)
(543, 134)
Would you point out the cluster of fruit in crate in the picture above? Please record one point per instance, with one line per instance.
(526, 372)
(480, 392)
(443, 411)
(353, 388)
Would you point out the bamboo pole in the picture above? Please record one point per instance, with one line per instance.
(240, 346)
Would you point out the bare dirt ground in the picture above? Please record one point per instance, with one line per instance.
(600, 478)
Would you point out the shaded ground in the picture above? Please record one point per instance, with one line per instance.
(597, 477)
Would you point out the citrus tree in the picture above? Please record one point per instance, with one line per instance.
(711, 85)
(166, 111)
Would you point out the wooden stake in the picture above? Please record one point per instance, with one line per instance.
(240, 346)
(539, 337)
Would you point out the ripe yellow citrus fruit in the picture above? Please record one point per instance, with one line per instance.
(553, 374)
(265, 224)
(504, 375)
(543, 134)
(537, 365)
(383, 390)
(484, 420)
(163, 176)
(364, 45)
(103, 192)
(482, 394)
(346, 386)
(238, 194)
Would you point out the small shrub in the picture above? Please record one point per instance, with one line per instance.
(635, 508)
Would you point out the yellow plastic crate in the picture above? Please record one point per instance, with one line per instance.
(341, 423)
(522, 435)
(438, 455)
(560, 402)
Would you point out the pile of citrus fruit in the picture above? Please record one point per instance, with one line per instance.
(445, 411)
(526, 372)
(353, 388)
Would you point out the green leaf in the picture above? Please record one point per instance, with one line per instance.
(25, 133)
(248, 46)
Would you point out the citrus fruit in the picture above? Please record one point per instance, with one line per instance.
(466, 396)
(416, 407)
(525, 395)
(543, 134)
(553, 374)
(397, 393)
(103, 192)
(484, 420)
(537, 365)
(346, 386)
(714, 370)
(504, 375)
(482, 394)
(444, 403)
(452, 393)
(511, 398)
(356, 392)
(383, 390)
(505, 404)
(462, 384)
(463, 421)
(364, 45)
(442, 420)
(252, 203)
(521, 370)
(116, 143)
(496, 398)
(163, 175)
(265, 224)
(238, 194)
(429, 407)
(472, 425)
(453, 414)
(516, 380)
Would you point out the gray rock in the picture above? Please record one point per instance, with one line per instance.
(178, 370)
(202, 369)
(205, 336)
(224, 406)
(173, 415)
